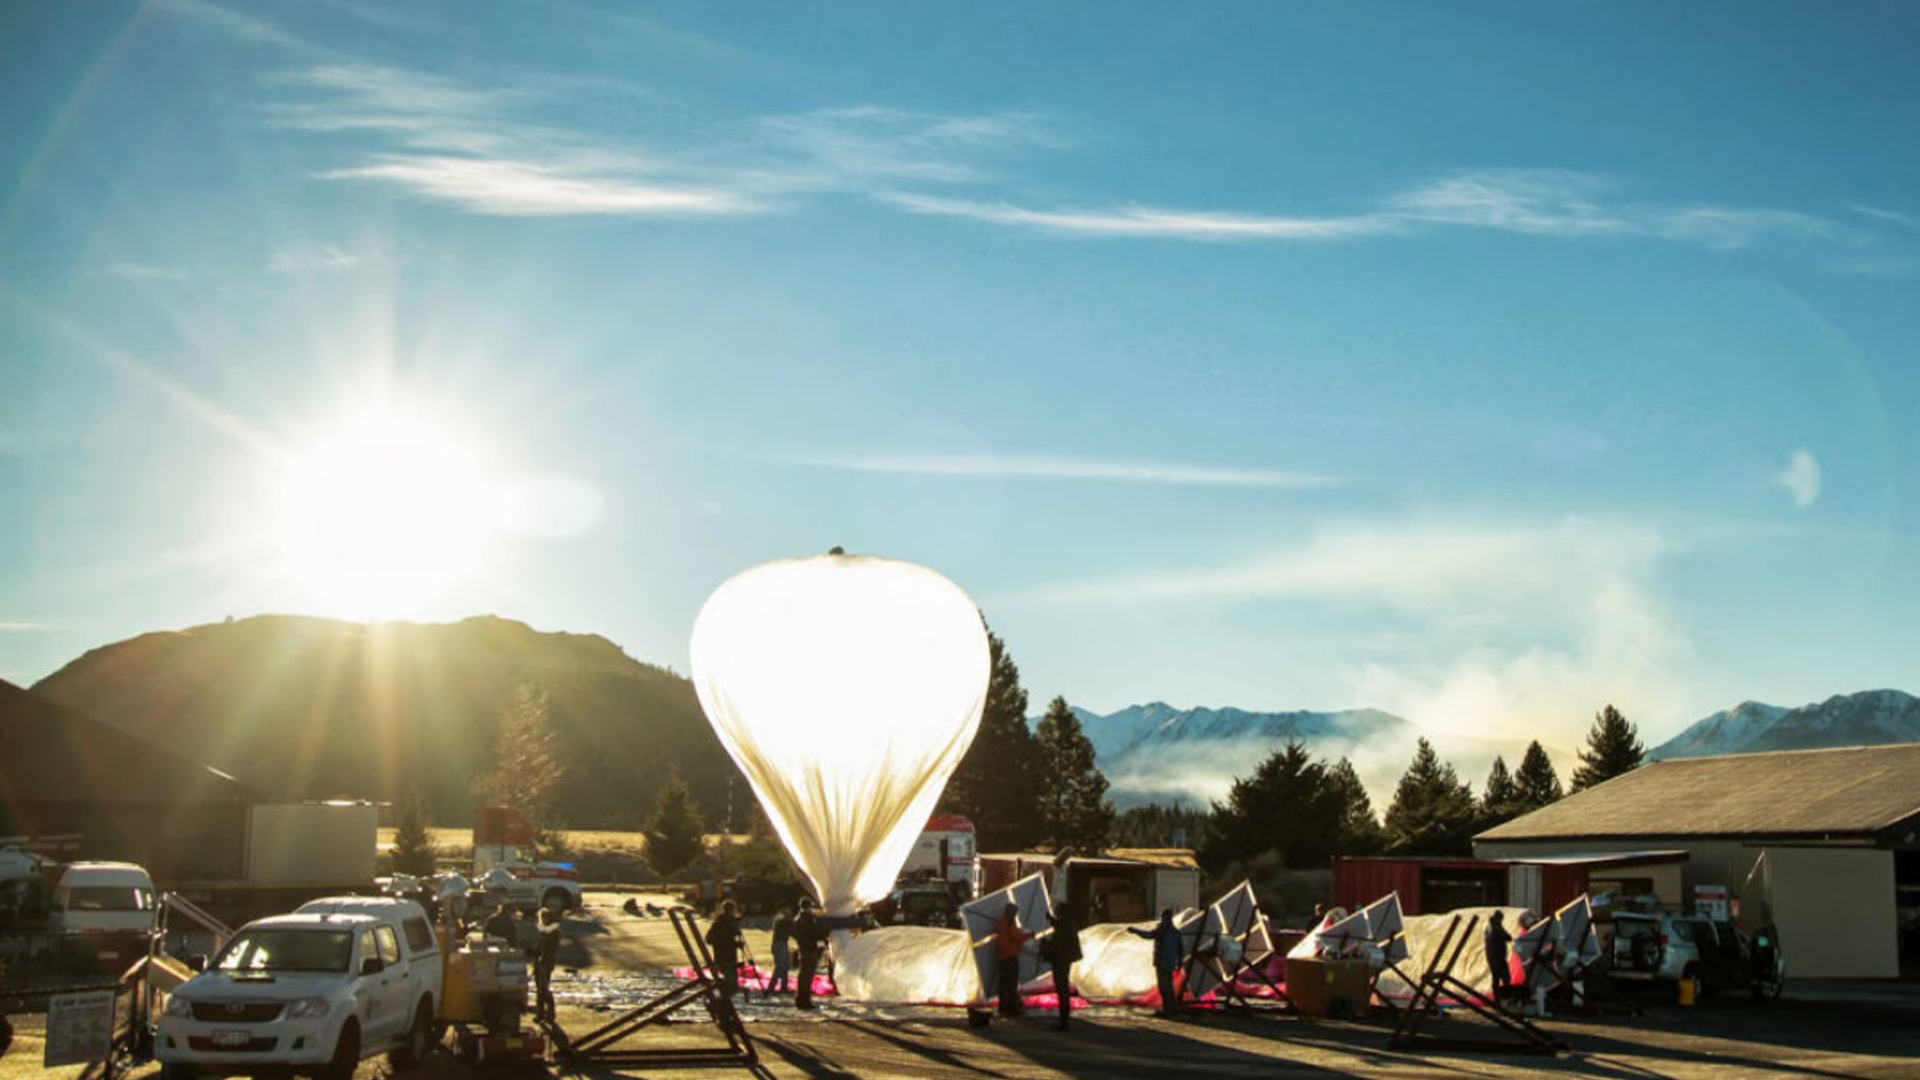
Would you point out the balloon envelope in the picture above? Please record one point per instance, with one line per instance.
(846, 688)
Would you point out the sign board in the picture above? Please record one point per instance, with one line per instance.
(1710, 901)
(79, 1028)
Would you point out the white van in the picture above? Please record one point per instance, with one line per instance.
(102, 897)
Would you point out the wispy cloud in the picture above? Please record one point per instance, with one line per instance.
(23, 626)
(1542, 202)
(1801, 478)
(870, 142)
(442, 140)
(237, 23)
(313, 259)
(1417, 566)
(1146, 221)
(1891, 217)
(148, 272)
(1058, 468)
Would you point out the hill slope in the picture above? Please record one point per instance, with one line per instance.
(1867, 718)
(319, 708)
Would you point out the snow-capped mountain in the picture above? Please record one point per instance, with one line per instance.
(1867, 718)
(1159, 753)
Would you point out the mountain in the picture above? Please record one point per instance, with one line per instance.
(310, 708)
(1159, 753)
(1867, 718)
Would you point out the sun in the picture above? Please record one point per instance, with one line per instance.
(384, 517)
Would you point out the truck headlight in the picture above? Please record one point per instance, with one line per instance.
(307, 1007)
(177, 1006)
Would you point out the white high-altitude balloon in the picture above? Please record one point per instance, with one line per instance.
(846, 688)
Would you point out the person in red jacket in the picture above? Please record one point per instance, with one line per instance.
(1007, 941)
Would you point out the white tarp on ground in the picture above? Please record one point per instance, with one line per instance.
(1424, 935)
(908, 964)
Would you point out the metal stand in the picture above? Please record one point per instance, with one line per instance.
(600, 1046)
(1439, 978)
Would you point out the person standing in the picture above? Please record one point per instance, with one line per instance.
(1168, 951)
(782, 950)
(810, 936)
(1497, 939)
(723, 937)
(546, 950)
(1008, 940)
(1063, 951)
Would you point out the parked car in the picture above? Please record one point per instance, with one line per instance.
(313, 992)
(918, 905)
(1716, 955)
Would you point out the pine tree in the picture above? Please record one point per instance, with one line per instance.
(1073, 793)
(1613, 749)
(996, 784)
(413, 850)
(674, 830)
(1500, 799)
(1433, 811)
(527, 766)
(1358, 831)
(1536, 783)
(1283, 807)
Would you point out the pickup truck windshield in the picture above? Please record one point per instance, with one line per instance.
(288, 950)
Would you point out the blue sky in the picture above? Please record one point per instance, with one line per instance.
(1485, 363)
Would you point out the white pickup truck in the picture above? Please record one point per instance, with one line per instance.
(313, 992)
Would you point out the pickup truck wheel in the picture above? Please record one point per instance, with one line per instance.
(419, 1040)
(554, 897)
(346, 1055)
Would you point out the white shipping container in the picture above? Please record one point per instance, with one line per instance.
(330, 843)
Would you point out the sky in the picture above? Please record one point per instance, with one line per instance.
(1482, 363)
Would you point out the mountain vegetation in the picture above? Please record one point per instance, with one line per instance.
(312, 708)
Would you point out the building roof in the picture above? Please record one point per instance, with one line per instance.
(1168, 858)
(52, 754)
(1846, 793)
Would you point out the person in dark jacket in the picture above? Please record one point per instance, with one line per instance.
(810, 937)
(1168, 951)
(1063, 951)
(1008, 940)
(504, 926)
(546, 951)
(1497, 939)
(723, 937)
(782, 950)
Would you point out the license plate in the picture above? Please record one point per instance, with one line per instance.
(232, 1038)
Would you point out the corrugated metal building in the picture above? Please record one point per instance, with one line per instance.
(1829, 840)
(1541, 882)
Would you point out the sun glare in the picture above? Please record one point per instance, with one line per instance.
(384, 517)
